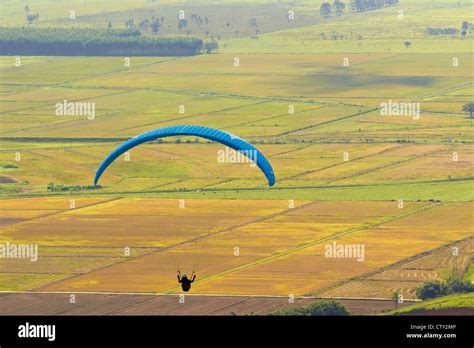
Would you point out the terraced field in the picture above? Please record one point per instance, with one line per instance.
(404, 277)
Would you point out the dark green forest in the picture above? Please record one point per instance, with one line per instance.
(92, 42)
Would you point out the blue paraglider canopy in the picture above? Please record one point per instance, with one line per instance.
(216, 135)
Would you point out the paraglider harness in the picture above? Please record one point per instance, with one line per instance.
(185, 282)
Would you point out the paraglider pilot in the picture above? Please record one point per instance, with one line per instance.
(185, 281)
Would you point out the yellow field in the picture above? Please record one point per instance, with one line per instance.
(281, 250)
(139, 222)
(308, 271)
(406, 277)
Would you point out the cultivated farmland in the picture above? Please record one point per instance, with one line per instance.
(309, 94)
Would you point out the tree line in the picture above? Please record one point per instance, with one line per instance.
(338, 7)
(57, 188)
(441, 31)
(92, 42)
(367, 5)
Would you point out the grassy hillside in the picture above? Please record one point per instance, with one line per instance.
(469, 274)
(379, 31)
(443, 303)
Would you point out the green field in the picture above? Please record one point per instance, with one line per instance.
(389, 157)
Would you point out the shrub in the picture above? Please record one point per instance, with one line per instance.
(431, 289)
(314, 309)
(456, 284)
(10, 166)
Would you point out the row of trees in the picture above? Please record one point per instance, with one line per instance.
(92, 42)
(441, 31)
(465, 29)
(61, 188)
(154, 24)
(338, 7)
(326, 9)
(367, 5)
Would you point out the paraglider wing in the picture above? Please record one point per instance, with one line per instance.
(216, 135)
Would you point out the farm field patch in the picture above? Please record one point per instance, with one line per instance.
(405, 277)
(382, 247)
(255, 240)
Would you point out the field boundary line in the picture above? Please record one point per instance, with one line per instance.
(156, 294)
(92, 76)
(124, 194)
(388, 165)
(199, 93)
(45, 103)
(228, 306)
(196, 115)
(47, 60)
(276, 116)
(61, 211)
(82, 304)
(342, 163)
(298, 148)
(328, 121)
